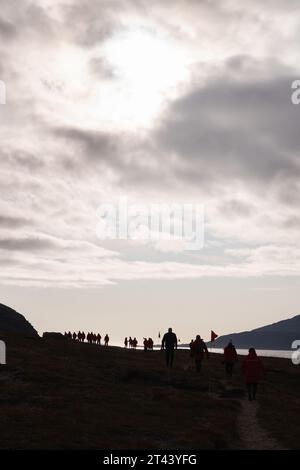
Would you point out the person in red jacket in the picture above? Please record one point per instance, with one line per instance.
(252, 370)
(230, 358)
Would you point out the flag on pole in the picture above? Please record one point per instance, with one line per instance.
(213, 335)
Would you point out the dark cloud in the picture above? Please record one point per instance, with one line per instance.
(101, 69)
(231, 130)
(91, 23)
(98, 146)
(7, 29)
(236, 208)
(26, 244)
(8, 221)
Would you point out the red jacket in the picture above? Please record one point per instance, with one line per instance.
(252, 368)
(230, 354)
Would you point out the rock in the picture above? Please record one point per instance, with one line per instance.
(53, 335)
(13, 322)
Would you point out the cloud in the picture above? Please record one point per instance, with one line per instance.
(13, 222)
(227, 137)
(232, 130)
(7, 29)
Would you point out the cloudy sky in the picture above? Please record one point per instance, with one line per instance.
(169, 101)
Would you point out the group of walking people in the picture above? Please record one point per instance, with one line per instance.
(131, 343)
(92, 338)
(252, 367)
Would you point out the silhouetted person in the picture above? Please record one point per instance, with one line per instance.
(98, 339)
(191, 347)
(83, 336)
(145, 344)
(126, 342)
(134, 343)
(150, 344)
(169, 343)
(106, 340)
(230, 358)
(130, 342)
(197, 352)
(74, 336)
(253, 370)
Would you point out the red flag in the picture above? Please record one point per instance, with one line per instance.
(213, 335)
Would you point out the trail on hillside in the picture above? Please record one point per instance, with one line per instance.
(252, 434)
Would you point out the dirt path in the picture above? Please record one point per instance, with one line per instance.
(252, 435)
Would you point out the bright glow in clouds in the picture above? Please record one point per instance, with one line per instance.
(147, 69)
(145, 72)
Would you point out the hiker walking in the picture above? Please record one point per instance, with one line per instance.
(230, 358)
(197, 352)
(99, 339)
(169, 343)
(106, 340)
(252, 370)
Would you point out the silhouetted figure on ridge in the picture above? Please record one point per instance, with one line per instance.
(74, 336)
(126, 342)
(230, 358)
(191, 347)
(197, 352)
(99, 339)
(169, 343)
(150, 344)
(106, 340)
(253, 371)
(134, 343)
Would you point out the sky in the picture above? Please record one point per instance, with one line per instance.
(170, 102)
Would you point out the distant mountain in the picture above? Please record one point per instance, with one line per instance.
(278, 336)
(13, 322)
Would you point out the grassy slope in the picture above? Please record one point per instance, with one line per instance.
(61, 394)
